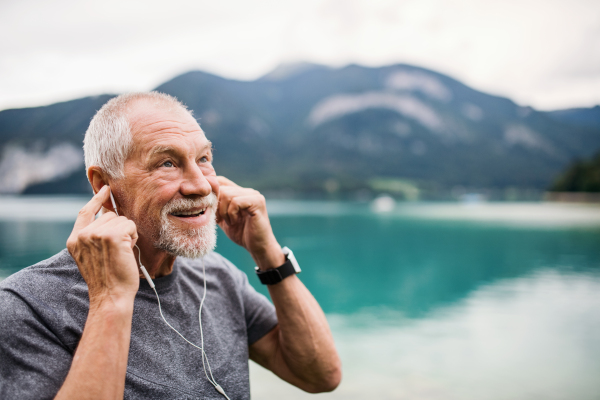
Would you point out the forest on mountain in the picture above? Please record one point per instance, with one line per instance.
(580, 176)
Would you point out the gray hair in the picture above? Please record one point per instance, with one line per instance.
(108, 139)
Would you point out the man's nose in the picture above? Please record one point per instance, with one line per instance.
(194, 182)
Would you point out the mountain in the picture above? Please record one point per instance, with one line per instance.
(43, 145)
(312, 129)
(578, 116)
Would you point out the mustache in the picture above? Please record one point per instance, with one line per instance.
(184, 204)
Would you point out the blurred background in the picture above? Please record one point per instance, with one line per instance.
(434, 165)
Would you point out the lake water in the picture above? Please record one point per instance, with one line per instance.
(427, 301)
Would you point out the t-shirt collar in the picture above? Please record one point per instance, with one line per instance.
(162, 283)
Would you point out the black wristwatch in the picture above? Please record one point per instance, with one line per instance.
(276, 275)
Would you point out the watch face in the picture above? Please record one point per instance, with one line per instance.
(290, 256)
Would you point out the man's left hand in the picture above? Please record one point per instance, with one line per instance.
(300, 349)
(242, 214)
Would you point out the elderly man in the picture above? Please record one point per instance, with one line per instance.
(85, 324)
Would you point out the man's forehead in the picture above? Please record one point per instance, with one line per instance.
(150, 122)
(145, 113)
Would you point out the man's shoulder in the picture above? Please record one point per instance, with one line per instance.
(49, 277)
(33, 300)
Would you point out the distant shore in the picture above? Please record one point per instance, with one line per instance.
(572, 197)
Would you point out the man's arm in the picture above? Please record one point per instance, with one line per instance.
(300, 349)
(102, 249)
(100, 362)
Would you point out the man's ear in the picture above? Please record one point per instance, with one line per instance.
(98, 179)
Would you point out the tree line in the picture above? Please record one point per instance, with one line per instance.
(580, 176)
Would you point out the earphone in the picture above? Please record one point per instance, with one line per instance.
(151, 283)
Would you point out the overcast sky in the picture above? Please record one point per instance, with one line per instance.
(544, 53)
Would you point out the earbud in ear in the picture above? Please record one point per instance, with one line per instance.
(112, 200)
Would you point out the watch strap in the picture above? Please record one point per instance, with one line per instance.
(276, 275)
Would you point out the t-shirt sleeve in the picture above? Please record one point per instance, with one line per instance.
(33, 362)
(258, 310)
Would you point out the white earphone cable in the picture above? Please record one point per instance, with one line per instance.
(204, 355)
(212, 380)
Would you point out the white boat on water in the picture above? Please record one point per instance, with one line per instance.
(383, 204)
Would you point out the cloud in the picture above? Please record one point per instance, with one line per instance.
(540, 53)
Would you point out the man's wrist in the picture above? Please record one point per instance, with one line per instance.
(113, 304)
(271, 257)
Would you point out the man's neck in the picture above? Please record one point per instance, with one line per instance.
(158, 263)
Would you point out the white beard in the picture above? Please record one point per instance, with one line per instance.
(190, 243)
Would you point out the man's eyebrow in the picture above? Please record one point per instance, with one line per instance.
(208, 146)
(159, 149)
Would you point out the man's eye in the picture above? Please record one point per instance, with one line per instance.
(167, 164)
(203, 159)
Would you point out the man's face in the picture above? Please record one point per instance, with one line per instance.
(170, 187)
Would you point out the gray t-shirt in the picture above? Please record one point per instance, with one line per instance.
(43, 309)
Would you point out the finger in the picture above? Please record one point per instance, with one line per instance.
(227, 194)
(97, 225)
(118, 229)
(87, 214)
(84, 232)
(226, 182)
(101, 220)
(222, 207)
(127, 227)
(232, 191)
(238, 204)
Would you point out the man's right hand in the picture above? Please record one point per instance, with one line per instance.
(103, 251)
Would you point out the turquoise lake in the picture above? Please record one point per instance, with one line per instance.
(426, 301)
